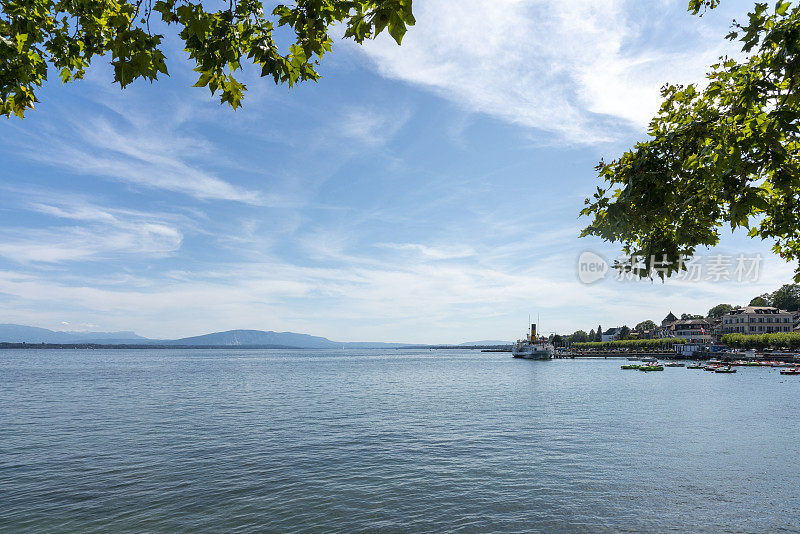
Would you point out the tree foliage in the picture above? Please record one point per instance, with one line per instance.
(624, 332)
(761, 300)
(645, 325)
(775, 340)
(719, 310)
(579, 336)
(787, 297)
(726, 155)
(38, 36)
(687, 316)
(662, 343)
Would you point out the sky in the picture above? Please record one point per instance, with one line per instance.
(425, 193)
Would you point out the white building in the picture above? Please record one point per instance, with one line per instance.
(611, 334)
(757, 320)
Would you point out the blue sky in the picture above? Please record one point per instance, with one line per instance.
(423, 193)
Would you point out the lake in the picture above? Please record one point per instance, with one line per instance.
(389, 441)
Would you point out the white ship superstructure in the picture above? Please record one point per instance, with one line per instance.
(533, 347)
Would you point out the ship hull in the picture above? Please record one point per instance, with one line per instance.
(532, 353)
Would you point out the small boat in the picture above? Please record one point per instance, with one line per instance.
(650, 359)
(697, 365)
(651, 367)
(726, 369)
(630, 366)
(634, 359)
(674, 364)
(752, 364)
(712, 367)
(791, 371)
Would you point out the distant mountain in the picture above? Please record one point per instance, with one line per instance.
(486, 343)
(258, 337)
(233, 338)
(14, 333)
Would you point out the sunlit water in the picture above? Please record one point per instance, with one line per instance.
(390, 441)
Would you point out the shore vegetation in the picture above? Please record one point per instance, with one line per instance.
(775, 340)
(631, 343)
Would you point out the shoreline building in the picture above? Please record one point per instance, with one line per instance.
(693, 330)
(611, 334)
(665, 330)
(757, 320)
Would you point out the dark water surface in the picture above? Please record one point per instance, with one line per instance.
(390, 441)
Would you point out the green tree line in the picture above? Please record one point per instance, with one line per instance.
(775, 340)
(631, 343)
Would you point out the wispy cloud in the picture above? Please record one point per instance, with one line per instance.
(371, 126)
(447, 252)
(143, 153)
(99, 232)
(582, 69)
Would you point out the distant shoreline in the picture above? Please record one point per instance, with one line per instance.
(23, 346)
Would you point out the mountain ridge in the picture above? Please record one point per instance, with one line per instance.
(12, 333)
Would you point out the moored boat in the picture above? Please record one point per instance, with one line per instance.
(651, 367)
(697, 365)
(630, 366)
(791, 371)
(726, 369)
(674, 364)
(532, 347)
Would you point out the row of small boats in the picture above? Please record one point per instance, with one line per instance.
(711, 367)
(753, 363)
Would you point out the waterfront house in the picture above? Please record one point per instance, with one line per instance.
(757, 320)
(611, 334)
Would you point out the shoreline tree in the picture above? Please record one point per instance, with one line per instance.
(38, 37)
(719, 310)
(645, 325)
(726, 155)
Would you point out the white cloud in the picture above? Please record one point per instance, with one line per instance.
(371, 126)
(580, 69)
(148, 154)
(405, 294)
(430, 252)
(105, 231)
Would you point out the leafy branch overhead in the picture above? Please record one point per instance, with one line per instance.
(38, 36)
(728, 154)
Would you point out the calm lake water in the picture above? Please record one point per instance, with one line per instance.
(390, 441)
